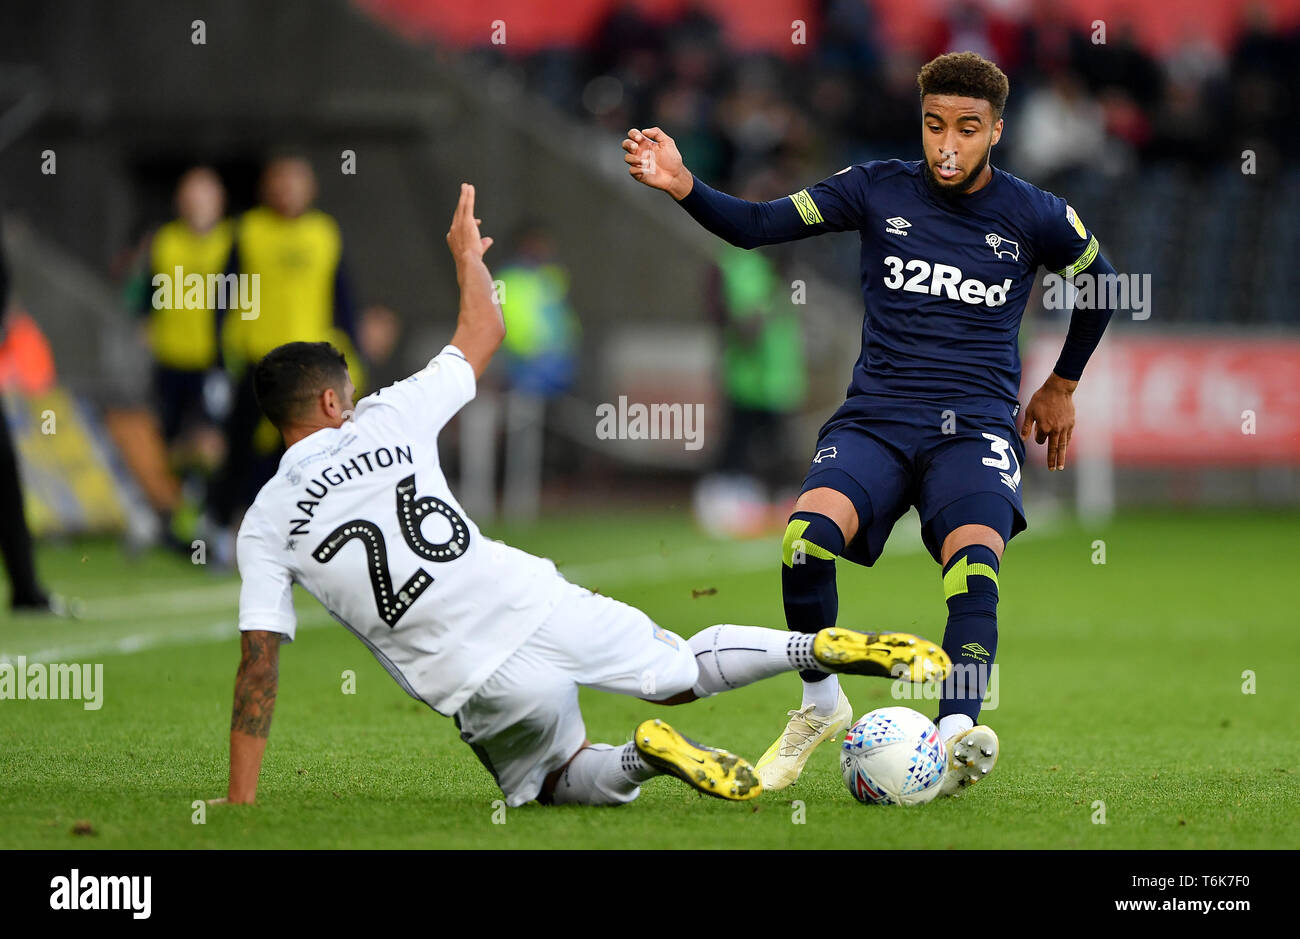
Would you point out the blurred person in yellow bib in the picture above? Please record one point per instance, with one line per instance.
(290, 285)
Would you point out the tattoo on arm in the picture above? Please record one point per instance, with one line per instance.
(255, 685)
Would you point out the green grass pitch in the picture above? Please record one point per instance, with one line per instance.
(1120, 683)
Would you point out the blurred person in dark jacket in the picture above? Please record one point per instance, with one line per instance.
(27, 594)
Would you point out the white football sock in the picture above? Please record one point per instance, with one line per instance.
(952, 725)
(634, 766)
(732, 656)
(823, 695)
(596, 776)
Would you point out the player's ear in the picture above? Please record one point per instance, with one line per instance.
(997, 132)
(330, 403)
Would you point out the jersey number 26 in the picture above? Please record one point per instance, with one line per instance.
(411, 510)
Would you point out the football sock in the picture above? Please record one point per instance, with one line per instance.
(635, 768)
(954, 724)
(596, 777)
(731, 656)
(808, 551)
(970, 585)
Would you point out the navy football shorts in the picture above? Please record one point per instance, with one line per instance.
(958, 463)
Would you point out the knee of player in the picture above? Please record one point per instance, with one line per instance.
(682, 697)
(671, 681)
(810, 537)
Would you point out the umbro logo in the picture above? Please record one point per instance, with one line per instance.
(897, 224)
(825, 453)
(976, 650)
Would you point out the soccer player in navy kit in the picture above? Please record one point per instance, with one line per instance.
(950, 247)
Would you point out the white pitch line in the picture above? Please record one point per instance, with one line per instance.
(219, 631)
(163, 602)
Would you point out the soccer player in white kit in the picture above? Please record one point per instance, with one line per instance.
(360, 515)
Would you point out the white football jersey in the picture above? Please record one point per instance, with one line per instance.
(362, 518)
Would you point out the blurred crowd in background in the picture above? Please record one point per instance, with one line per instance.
(1150, 146)
(1080, 99)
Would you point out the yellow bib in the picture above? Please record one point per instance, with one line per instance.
(295, 260)
(181, 325)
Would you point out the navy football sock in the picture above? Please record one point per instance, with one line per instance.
(808, 551)
(970, 585)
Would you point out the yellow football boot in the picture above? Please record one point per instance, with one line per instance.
(706, 769)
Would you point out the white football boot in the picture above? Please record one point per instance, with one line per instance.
(971, 756)
(784, 760)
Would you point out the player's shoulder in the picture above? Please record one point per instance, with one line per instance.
(877, 171)
(881, 170)
(258, 515)
(448, 368)
(1031, 198)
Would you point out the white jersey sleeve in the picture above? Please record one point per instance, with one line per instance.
(426, 401)
(266, 594)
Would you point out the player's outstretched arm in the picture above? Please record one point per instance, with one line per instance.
(652, 158)
(1051, 409)
(479, 324)
(250, 721)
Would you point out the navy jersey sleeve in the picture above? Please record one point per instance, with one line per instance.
(837, 203)
(1065, 246)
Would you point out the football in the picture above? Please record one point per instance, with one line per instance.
(893, 756)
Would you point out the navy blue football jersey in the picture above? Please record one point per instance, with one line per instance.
(944, 281)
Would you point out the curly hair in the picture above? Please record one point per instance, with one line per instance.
(967, 75)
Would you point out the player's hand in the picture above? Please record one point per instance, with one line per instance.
(652, 158)
(463, 238)
(1051, 411)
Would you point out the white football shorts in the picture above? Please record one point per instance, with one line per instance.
(523, 722)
